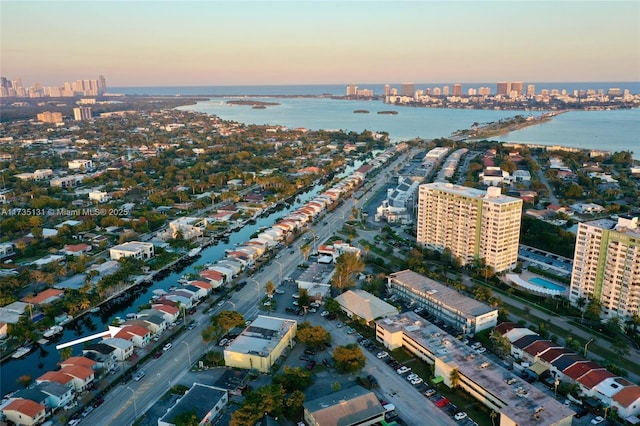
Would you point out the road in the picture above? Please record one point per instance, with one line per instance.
(127, 402)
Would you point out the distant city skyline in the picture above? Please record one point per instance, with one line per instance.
(311, 42)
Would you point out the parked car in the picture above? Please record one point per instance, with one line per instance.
(416, 381)
(223, 342)
(382, 355)
(324, 313)
(481, 350)
(167, 347)
(442, 402)
(597, 420)
(460, 415)
(278, 291)
(310, 365)
(429, 393)
(309, 352)
(139, 375)
(402, 370)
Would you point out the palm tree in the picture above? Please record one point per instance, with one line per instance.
(581, 302)
(454, 377)
(493, 416)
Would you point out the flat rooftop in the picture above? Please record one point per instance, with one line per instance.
(199, 399)
(470, 192)
(520, 398)
(262, 336)
(448, 296)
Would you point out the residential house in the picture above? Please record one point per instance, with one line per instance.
(24, 412)
(123, 347)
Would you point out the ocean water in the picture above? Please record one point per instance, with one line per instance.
(340, 89)
(617, 130)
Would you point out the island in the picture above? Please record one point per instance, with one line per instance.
(388, 112)
(361, 111)
(252, 103)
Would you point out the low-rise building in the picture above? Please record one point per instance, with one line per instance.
(204, 401)
(99, 196)
(260, 345)
(467, 315)
(347, 407)
(361, 304)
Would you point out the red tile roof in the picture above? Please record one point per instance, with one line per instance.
(627, 396)
(135, 330)
(55, 376)
(210, 274)
(78, 372)
(581, 368)
(202, 284)
(594, 377)
(76, 248)
(505, 327)
(78, 360)
(552, 354)
(26, 407)
(539, 347)
(43, 296)
(166, 308)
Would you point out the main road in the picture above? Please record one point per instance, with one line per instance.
(126, 402)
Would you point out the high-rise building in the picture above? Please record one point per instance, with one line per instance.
(472, 224)
(606, 265)
(352, 90)
(50, 117)
(407, 89)
(518, 87)
(445, 90)
(503, 88)
(102, 85)
(531, 90)
(82, 113)
(387, 90)
(457, 89)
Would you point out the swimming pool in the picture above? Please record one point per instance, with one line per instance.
(541, 282)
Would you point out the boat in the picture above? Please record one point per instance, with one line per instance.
(94, 310)
(52, 331)
(22, 351)
(132, 316)
(182, 280)
(67, 320)
(194, 252)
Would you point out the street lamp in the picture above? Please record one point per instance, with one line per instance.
(135, 407)
(188, 351)
(555, 385)
(585, 347)
(280, 270)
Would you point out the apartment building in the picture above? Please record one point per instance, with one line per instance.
(606, 265)
(472, 224)
(518, 403)
(465, 314)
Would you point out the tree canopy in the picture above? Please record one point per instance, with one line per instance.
(349, 358)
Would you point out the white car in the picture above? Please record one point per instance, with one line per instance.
(412, 376)
(597, 420)
(167, 347)
(416, 381)
(460, 415)
(481, 350)
(382, 355)
(278, 291)
(139, 375)
(324, 313)
(403, 369)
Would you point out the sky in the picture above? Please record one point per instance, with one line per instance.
(216, 43)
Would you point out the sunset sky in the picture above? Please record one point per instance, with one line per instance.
(170, 43)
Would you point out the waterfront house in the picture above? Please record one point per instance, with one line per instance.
(24, 412)
(57, 377)
(81, 376)
(45, 297)
(168, 312)
(57, 395)
(135, 249)
(123, 347)
(136, 334)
